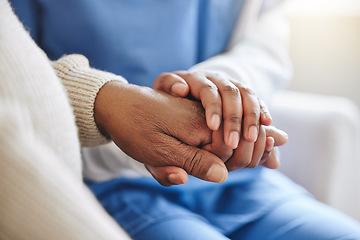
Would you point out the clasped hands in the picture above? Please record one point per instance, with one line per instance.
(192, 123)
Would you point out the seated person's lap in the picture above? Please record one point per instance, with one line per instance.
(299, 219)
(251, 204)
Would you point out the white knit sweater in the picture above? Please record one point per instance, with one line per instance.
(41, 192)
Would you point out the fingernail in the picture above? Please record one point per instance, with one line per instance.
(174, 178)
(216, 174)
(253, 133)
(178, 88)
(233, 139)
(214, 122)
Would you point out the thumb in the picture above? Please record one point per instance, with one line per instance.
(168, 175)
(172, 84)
(201, 164)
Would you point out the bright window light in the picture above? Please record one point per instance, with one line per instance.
(323, 7)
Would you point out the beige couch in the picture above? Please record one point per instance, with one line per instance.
(323, 152)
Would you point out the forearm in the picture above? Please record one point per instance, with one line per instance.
(83, 84)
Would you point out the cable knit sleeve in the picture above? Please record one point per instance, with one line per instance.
(82, 84)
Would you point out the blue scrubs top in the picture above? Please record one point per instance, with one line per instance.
(137, 39)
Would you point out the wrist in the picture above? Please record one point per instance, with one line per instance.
(103, 104)
(83, 84)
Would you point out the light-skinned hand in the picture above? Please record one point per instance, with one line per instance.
(223, 99)
(211, 89)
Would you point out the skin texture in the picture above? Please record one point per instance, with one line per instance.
(159, 130)
(170, 135)
(222, 96)
(223, 99)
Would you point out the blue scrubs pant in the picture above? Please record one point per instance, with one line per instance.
(257, 204)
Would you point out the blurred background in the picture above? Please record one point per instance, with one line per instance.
(320, 110)
(325, 46)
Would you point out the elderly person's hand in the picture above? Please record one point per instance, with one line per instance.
(162, 131)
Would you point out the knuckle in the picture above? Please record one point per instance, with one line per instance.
(263, 110)
(234, 119)
(253, 115)
(192, 162)
(208, 86)
(231, 90)
(248, 91)
(165, 153)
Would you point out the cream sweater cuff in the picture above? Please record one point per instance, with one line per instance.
(82, 84)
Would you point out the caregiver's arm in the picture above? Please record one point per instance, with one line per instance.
(257, 55)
